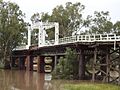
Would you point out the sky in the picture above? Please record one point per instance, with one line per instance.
(29, 7)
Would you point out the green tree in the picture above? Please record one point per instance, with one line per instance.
(12, 29)
(116, 28)
(70, 67)
(69, 17)
(100, 23)
(67, 68)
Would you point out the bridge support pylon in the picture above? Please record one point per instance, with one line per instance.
(81, 58)
(29, 64)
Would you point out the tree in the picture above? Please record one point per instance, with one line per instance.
(67, 68)
(116, 28)
(69, 17)
(100, 23)
(12, 29)
(70, 67)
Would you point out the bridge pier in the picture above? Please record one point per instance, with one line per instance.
(119, 67)
(55, 63)
(21, 63)
(81, 71)
(94, 64)
(40, 64)
(29, 65)
(108, 65)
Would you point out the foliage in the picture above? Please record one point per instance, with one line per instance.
(12, 28)
(69, 17)
(67, 67)
(116, 28)
(100, 23)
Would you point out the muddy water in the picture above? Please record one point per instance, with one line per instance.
(23, 80)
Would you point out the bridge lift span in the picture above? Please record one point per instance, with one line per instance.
(43, 26)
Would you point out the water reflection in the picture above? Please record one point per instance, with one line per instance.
(23, 80)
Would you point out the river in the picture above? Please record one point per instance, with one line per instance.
(24, 80)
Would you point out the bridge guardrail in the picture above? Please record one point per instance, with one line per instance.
(80, 38)
(90, 38)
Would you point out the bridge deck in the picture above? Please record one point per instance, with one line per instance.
(84, 39)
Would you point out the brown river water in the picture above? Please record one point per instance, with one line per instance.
(24, 80)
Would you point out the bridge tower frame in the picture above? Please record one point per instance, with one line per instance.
(42, 26)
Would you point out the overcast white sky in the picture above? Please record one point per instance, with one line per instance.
(29, 7)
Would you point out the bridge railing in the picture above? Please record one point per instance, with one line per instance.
(90, 38)
(49, 42)
(79, 38)
(85, 38)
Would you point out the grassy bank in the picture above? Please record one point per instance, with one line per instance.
(90, 86)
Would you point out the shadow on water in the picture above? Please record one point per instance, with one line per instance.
(23, 80)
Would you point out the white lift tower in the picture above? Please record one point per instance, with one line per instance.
(42, 27)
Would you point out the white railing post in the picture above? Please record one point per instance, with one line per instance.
(77, 38)
(85, 37)
(107, 37)
(115, 36)
(100, 37)
(81, 37)
(94, 38)
(114, 41)
(89, 38)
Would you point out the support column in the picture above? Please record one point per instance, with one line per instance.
(81, 65)
(38, 64)
(41, 64)
(119, 68)
(29, 63)
(108, 65)
(55, 63)
(94, 63)
(19, 63)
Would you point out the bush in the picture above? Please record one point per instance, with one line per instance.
(67, 67)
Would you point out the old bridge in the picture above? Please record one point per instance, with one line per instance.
(98, 55)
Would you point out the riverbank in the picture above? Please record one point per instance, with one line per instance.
(81, 85)
(91, 86)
